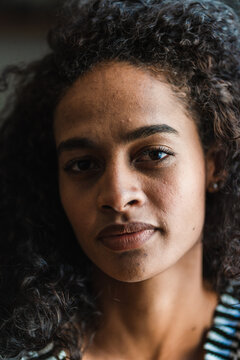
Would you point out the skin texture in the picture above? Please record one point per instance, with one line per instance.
(122, 184)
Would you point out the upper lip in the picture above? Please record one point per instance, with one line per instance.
(119, 229)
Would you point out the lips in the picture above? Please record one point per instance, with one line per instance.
(128, 236)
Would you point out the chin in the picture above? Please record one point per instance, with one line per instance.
(130, 272)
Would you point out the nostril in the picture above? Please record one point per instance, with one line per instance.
(116, 208)
(132, 202)
(106, 207)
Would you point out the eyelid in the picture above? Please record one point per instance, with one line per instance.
(159, 148)
(69, 165)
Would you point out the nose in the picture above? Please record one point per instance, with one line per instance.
(119, 189)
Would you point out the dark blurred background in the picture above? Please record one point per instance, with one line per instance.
(23, 28)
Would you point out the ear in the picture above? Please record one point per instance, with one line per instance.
(216, 174)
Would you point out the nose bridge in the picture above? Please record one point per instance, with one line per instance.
(119, 185)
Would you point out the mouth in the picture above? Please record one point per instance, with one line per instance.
(128, 241)
(123, 237)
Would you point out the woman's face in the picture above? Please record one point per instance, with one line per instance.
(130, 153)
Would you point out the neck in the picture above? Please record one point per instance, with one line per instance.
(159, 318)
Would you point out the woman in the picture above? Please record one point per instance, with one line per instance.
(120, 186)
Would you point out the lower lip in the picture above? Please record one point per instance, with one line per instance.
(128, 241)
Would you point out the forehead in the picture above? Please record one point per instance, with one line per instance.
(117, 94)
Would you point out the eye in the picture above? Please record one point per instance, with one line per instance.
(154, 154)
(78, 166)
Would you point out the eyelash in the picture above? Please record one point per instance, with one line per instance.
(159, 149)
(69, 166)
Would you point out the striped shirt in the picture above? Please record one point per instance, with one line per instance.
(223, 338)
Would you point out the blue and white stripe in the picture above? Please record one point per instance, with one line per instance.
(223, 339)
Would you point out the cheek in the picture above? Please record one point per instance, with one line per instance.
(76, 205)
(179, 198)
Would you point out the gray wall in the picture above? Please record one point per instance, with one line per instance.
(23, 31)
(20, 49)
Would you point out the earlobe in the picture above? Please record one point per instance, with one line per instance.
(213, 187)
(212, 181)
(216, 174)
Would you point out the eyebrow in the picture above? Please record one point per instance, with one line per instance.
(142, 132)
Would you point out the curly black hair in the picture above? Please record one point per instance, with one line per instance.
(45, 278)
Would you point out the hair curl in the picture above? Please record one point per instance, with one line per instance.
(45, 279)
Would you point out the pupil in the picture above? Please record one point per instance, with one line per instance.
(156, 155)
(83, 165)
